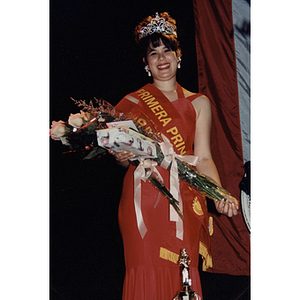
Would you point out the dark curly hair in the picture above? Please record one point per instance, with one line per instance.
(169, 40)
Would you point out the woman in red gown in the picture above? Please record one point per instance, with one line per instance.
(152, 235)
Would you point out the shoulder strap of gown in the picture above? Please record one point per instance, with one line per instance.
(180, 92)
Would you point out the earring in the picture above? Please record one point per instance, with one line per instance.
(179, 61)
(147, 69)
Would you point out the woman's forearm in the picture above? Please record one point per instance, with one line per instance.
(207, 167)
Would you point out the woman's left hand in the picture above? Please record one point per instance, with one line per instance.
(229, 207)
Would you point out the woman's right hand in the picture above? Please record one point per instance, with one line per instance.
(122, 157)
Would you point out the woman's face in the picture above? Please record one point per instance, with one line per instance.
(162, 62)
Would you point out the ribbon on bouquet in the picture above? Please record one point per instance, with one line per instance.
(170, 158)
(142, 172)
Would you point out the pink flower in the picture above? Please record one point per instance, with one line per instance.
(57, 130)
(76, 120)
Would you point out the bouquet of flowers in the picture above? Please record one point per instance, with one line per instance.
(97, 128)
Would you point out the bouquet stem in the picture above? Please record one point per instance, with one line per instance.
(162, 188)
(201, 182)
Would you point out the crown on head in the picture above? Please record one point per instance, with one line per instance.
(157, 25)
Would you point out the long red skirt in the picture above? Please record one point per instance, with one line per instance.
(152, 270)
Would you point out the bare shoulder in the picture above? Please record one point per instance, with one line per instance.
(201, 104)
(202, 99)
(132, 99)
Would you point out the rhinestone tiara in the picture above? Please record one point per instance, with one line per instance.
(157, 25)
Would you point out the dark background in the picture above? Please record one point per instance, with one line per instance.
(93, 54)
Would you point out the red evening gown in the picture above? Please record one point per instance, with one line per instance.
(152, 271)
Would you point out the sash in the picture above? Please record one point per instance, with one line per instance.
(159, 114)
(157, 108)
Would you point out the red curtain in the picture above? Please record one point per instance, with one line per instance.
(218, 81)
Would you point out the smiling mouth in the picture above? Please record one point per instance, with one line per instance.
(164, 66)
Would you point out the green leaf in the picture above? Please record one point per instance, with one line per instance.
(96, 151)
